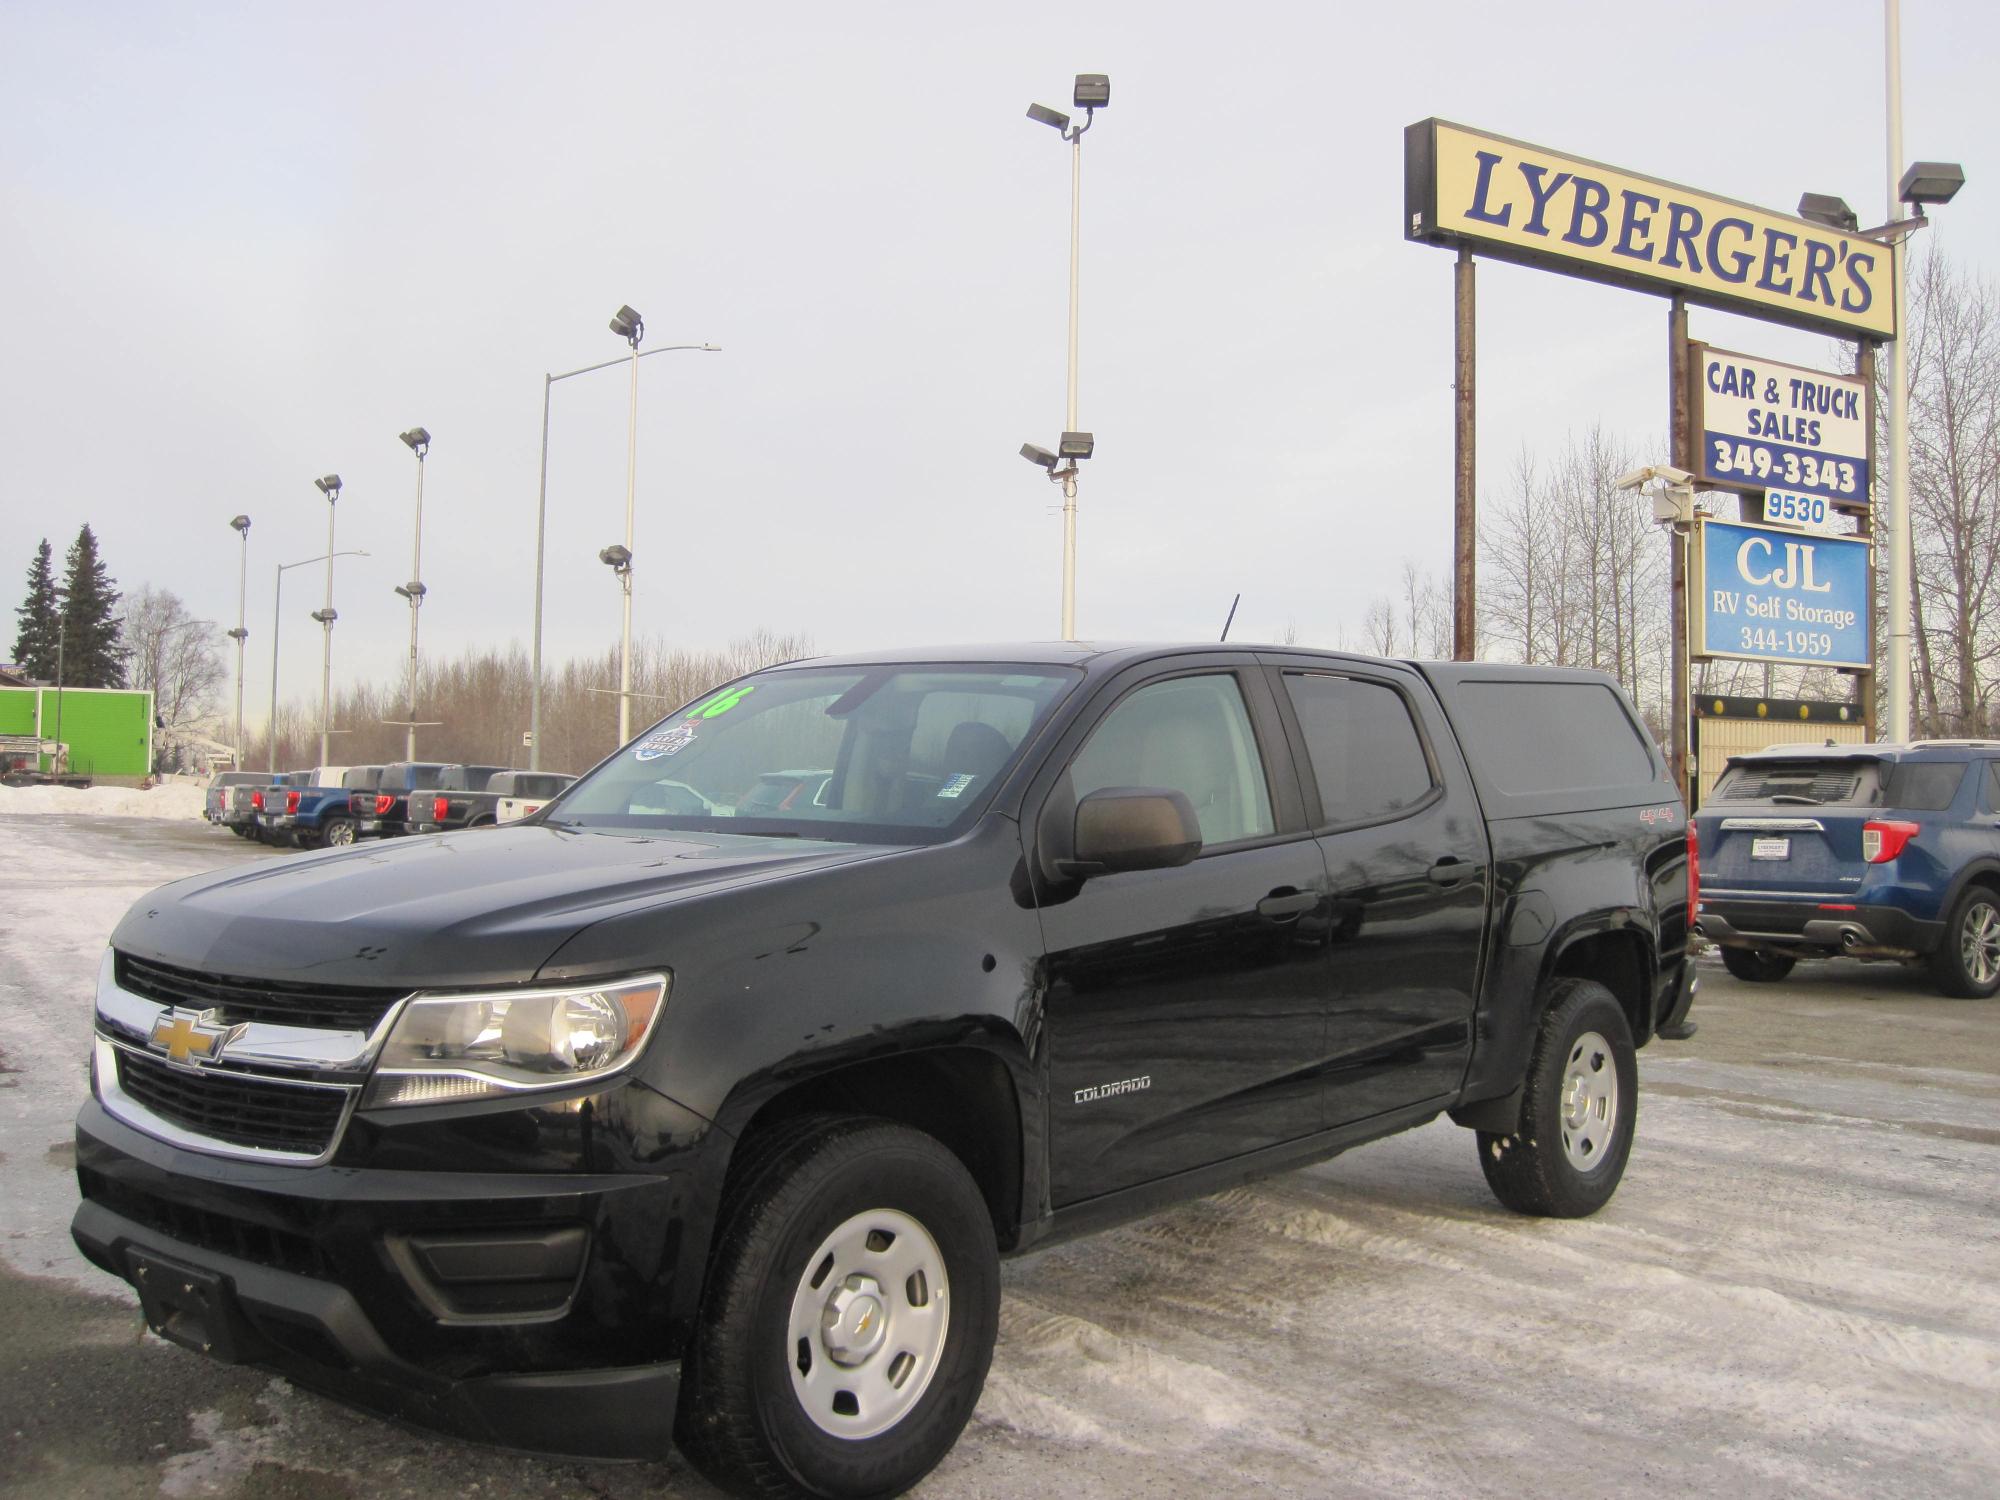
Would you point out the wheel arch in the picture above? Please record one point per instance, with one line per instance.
(1620, 957)
(964, 1096)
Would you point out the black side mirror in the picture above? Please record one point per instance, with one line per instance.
(1121, 828)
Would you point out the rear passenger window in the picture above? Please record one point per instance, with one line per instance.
(1366, 755)
(1529, 738)
(1989, 793)
(1924, 786)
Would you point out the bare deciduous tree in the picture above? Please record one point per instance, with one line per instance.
(173, 656)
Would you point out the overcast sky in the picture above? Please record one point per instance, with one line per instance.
(245, 245)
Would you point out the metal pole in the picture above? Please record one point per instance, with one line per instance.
(541, 535)
(326, 647)
(1864, 682)
(625, 636)
(1070, 422)
(416, 604)
(59, 762)
(1681, 446)
(242, 639)
(1896, 493)
(1465, 521)
(277, 617)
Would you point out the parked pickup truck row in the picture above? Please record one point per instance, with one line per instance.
(699, 1107)
(332, 806)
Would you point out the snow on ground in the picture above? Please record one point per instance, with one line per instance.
(1793, 1293)
(174, 799)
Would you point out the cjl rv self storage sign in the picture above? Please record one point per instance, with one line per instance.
(1767, 426)
(1779, 596)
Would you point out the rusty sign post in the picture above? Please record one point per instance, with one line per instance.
(1680, 430)
(1465, 519)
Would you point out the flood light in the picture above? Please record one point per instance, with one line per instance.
(1093, 91)
(1055, 119)
(1825, 208)
(1931, 182)
(1040, 456)
(1077, 444)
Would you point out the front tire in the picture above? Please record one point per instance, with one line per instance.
(1757, 965)
(1966, 962)
(850, 1314)
(1578, 1109)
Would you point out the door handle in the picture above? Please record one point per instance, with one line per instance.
(1281, 904)
(1451, 871)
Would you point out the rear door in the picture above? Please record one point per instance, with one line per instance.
(1789, 829)
(1406, 856)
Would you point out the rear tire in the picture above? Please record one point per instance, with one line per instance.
(849, 1317)
(1757, 965)
(338, 833)
(1966, 962)
(1578, 1109)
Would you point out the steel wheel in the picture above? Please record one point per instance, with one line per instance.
(868, 1324)
(1979, 943)
(1589, 1102)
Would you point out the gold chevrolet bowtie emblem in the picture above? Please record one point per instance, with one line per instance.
(188, 1034)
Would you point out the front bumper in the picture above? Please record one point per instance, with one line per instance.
(377, 1287)
(1809, 927)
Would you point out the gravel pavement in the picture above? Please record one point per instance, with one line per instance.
(1794, 1292)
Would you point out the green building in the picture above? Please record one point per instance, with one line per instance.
(109, 731)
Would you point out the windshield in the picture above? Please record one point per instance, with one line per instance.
(886, 754)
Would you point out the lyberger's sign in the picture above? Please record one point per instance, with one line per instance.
(1520, 202)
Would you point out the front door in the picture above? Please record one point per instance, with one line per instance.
(1186, 1007)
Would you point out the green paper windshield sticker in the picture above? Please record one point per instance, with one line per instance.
(723, 704)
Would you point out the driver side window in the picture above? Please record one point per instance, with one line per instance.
(1190, 735)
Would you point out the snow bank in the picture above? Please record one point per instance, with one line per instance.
(175, 800)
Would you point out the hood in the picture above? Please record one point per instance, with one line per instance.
(486, 906)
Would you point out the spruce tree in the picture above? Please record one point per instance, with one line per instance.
(35, 640)
(92, 654)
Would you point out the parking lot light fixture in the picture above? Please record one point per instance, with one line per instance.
(628, 325)
(541, 525)
(277, 621)
(1825, 208)
(329, 486)
(418, 441)
(1092, 92)
(241, 526)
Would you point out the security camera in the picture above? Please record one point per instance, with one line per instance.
(1663, 473)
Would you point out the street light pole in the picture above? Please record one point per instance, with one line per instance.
(1092, 93)
(1898, 487)
(240, 635)
(419, 443)
(632, 328)
(328, 486)
(277, 602)
(541, 534)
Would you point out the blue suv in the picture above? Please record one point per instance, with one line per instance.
(1858, 851)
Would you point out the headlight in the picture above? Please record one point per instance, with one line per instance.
(445, 1048)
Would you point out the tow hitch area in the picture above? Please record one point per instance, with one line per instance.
(187, 1306)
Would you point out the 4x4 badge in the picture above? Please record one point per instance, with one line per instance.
(187, 1035)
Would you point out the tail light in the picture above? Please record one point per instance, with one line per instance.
(439, 808)
(291, 802)
(1882, 841)
(383, 802)
(1694, 870)
(257, 801)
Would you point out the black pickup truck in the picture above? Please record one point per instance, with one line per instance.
(382, 811)
(671, 1114)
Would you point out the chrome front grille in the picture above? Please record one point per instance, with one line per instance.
(240, 1109)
